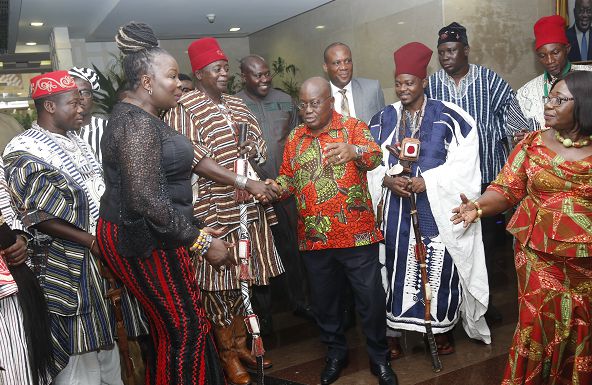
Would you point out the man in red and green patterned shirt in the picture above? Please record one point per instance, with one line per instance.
(325, 163)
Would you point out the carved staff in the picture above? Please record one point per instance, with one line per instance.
(244, 253)
(408, 154)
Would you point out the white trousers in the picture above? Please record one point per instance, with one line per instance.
(13, 344)
(94, 368)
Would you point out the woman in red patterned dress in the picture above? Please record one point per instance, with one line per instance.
(549, 177)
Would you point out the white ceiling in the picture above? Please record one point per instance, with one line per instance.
(98, 20)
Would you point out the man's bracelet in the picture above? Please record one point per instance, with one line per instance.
(241, 182)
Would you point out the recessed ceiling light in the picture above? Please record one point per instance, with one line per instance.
(320, 27)
(401, 22)
(36, 24)
(30, 43)
(234, 29)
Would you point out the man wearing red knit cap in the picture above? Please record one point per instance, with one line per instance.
(552, 50)
(57, 183)
(446, 138)
(210, 118)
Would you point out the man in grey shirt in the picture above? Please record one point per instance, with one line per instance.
(277, 115)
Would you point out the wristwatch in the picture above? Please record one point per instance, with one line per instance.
(359, 151)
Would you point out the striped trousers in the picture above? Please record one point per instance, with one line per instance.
(13, 345)
(165, 286)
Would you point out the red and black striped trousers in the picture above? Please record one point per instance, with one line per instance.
(165, 286)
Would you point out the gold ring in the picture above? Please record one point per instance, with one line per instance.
(222, 268)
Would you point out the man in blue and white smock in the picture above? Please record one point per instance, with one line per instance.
(490, 100)
(57, 183)
(448, 158)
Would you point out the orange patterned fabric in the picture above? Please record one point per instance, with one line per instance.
(552, 343)
(334, 206)
(554, 214)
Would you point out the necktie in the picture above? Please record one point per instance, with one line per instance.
(584, 48)
(344, 103)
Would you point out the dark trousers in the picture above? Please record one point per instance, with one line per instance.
(492, 231)
(328, 270)
(294, 279)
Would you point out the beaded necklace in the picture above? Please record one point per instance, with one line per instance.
(414, 120)
(567, 142)
(90, 165)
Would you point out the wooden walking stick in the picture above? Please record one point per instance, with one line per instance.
(408, 154)
(114, 296)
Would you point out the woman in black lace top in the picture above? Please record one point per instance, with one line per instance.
(145, 227)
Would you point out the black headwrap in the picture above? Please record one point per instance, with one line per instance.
(454, 33)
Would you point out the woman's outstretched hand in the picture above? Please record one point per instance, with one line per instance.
(466, 212)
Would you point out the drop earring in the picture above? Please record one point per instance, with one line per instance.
(150, 92)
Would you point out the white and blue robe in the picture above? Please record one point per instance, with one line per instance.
(47, 182)
(449, 164)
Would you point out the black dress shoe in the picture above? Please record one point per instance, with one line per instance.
(304, 311)
(332, 370)
(385, 374)
(492, 315)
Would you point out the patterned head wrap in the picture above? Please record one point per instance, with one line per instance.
(86, 74)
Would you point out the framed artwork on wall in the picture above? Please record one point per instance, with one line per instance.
(578, 16)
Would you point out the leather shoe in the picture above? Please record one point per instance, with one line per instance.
(332, 370)
(304, 311)
(492, 315)
(385, 374)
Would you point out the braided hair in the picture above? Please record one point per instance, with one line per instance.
(140, 46)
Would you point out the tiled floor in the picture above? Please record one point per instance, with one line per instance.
(298, 356)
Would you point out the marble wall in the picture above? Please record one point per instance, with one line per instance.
(500, 35)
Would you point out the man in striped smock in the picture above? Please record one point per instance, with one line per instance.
(210, 119)
(57, 183)
(489, 99)
(93, 126)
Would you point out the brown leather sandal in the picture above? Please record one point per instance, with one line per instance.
(444, 343)
(395, 349)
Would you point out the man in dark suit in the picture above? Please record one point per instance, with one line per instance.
(578, 34)
(356, 97)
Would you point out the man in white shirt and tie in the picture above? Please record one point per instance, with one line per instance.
(579, 33)
(356, 97)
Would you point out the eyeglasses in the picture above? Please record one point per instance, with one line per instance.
(86, 94)
(555, 100)
(583, 11)
(314, 104)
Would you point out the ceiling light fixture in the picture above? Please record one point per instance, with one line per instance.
(320, 27)
(234, 29)
(30, 43)
(36, 24)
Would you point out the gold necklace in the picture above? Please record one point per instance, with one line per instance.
(567, 142)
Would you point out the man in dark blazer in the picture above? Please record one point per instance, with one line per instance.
(357, 97)
(578, 34)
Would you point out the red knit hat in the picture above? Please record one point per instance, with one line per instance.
(412, 59)
(203, 52)
(549, 29)
(51, 83)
